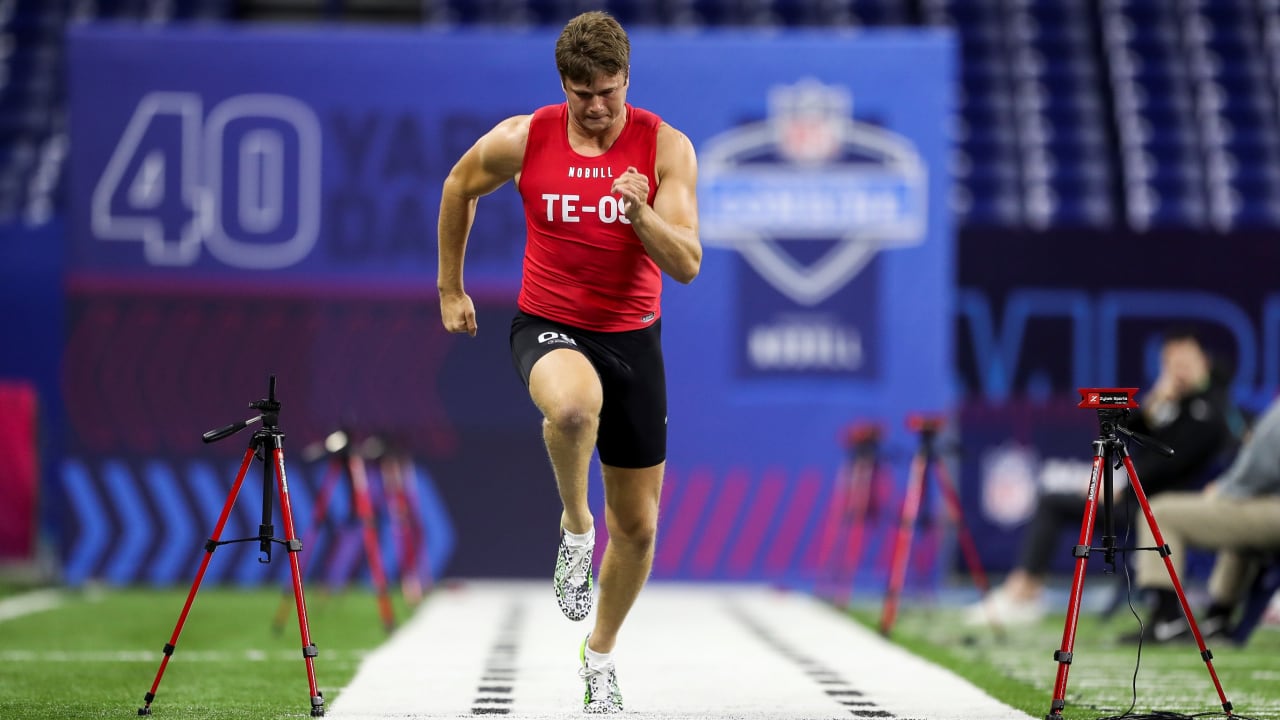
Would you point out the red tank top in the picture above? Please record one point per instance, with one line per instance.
(583, 264)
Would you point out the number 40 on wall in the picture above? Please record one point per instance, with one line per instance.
(243, 182)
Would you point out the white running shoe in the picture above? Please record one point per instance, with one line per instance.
(999, 607)
(572, 580)
(602, 695)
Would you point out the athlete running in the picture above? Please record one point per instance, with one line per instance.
(610, 204)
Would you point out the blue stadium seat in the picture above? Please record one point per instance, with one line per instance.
(990, 204)
(967, 13)
(1077, 124)
(1081, 207)
(748, 13)
(1226, 14)
(879, 12)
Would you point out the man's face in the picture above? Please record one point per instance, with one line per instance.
(1185, 364)
(596, 106)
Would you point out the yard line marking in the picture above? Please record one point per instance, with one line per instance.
(28, 603)
(689, 652)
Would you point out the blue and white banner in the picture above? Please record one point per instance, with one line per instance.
(309, 163)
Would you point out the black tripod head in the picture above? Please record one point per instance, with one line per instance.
(270, 417)
(269, 406)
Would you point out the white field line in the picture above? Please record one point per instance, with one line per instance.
(154, 656)
(28, 603)
(692, 652)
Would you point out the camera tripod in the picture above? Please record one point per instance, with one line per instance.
(400, 486)
(1110, 452)
(266, 445)
(852, 501)
(346, 462)
(925, 459)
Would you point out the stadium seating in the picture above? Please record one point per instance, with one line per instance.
(1138, 113)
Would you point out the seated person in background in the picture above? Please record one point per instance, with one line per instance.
(1237, 513)
(1189, 409)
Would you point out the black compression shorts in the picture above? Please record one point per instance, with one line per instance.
(633, 418)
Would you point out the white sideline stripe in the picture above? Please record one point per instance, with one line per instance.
(28, 603)
(151, 656)
(685, 653)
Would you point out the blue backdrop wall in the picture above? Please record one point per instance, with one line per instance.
(250, 202)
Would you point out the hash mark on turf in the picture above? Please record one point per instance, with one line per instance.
(819, 673)
(500, 667)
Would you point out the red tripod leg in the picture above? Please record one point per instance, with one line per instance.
(902, 548)
(1177, 584)
(294, 545)
(209, 547)
(318, 514)
(364, 508)
(967, 546)
(321, 510)
(402, 525)
(861, 486)
(418, 534)
(1081, 552)
(831, 529)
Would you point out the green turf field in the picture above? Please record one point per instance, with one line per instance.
(1019, 669)
(96, 654)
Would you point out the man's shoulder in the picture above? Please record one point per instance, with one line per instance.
(546, 111)
(505, 143)
(644, 117)
(671, 139)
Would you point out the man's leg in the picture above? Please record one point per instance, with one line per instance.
(1207, 522)
(1019, 599)
(631, 514)
(566, 388)
(1232, 572)
(1043, 537)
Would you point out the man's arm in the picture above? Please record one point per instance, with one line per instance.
(1198, 434)
(486, 166)
(668, 229)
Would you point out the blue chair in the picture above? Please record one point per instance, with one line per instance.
(879, 12)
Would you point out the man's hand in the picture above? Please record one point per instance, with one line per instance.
(634, 189)
(458, 313)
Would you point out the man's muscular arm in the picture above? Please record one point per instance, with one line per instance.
(668, 229)
(491, 162)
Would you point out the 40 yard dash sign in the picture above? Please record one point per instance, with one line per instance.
(241, 181)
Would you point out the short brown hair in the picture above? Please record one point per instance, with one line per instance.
(590, 44)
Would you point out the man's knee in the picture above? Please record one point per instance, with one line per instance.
(573, 415)
(1160, 501)
(639, 530)
(1174, 509)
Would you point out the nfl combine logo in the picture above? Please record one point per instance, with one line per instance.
(808, 197)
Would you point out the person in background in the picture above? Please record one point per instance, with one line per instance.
(1237, 515)
(1187, 408)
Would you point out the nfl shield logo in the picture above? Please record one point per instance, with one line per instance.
(810, 172)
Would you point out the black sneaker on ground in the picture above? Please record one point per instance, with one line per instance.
(1159, 631)
(1172, 630)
